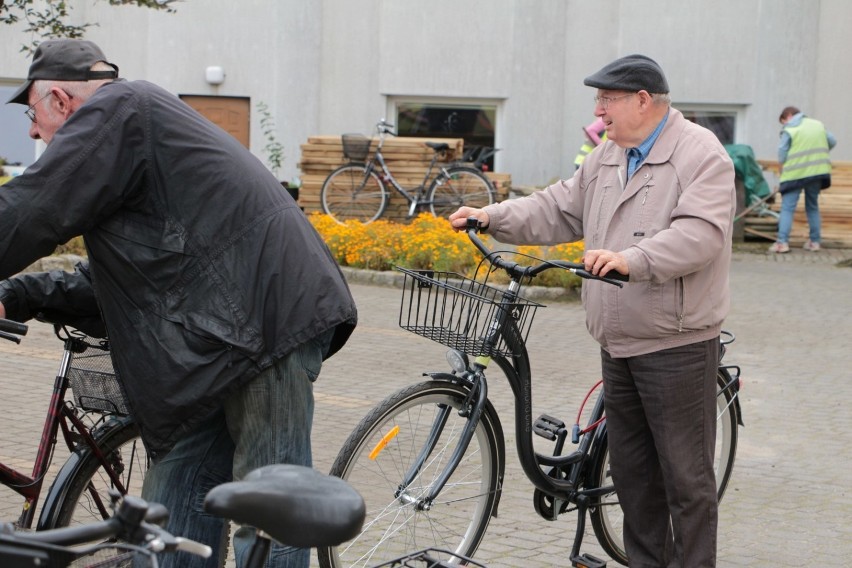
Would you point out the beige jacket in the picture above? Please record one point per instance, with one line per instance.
(672, 221)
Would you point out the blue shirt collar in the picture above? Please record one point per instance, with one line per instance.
(637, 155)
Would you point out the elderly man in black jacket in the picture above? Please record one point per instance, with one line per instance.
(219, 297)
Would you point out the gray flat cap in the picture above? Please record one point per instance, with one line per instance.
(630, 73)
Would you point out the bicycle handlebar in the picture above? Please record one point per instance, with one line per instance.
(518, 271)
(11, 330)
(385, 127)
(133, 523)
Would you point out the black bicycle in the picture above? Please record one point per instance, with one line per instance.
(359, 190)
(429, 460)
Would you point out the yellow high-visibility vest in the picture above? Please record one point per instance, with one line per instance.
(808, 155)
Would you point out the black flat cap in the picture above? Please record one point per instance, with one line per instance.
(630, 73)
(64, 60)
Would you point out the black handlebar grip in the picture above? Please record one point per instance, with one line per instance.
(473, 223)
(617, 276)
(10, 326)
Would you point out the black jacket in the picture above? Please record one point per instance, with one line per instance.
(205, 271)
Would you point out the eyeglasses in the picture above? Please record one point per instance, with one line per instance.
(30, 112)
(604, 101)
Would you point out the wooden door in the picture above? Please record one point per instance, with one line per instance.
(232, 114)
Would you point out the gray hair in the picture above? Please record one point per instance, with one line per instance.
(661, 99)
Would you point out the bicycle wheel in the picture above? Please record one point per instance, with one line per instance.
(608, 519)
(352, 192)
(379, 453)
(457, 186)
(82, 484)
(727, 420)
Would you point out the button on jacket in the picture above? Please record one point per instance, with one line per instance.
(204, 269)
(672, 221)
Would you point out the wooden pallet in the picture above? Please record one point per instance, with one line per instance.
(835, 206)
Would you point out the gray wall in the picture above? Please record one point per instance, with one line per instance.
(331, 66)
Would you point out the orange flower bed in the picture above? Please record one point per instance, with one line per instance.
(428, 242)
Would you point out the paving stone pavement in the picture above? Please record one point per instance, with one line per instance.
(789, 502)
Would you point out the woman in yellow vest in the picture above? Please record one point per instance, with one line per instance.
(805, 165)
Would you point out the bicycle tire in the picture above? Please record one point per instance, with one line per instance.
(458, 186)
(353, 192)
(727, 433)
(607, 518)
(457, 519)
(68, 502)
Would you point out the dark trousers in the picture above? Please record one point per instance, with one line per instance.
(661, 421)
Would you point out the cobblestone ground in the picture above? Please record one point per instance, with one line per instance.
(789, 502)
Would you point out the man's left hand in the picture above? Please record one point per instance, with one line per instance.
(601, 262)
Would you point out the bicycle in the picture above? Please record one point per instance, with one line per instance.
(300, 507)
(103, 440)
(294, 505)
(430, 458)
(359, 190)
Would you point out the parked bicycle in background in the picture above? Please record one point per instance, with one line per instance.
(429, 460)
(359, 190)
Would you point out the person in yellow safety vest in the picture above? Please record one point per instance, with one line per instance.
(595, 136)
(805, 166)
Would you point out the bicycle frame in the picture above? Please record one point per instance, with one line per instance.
(60, 417)
(415, 195)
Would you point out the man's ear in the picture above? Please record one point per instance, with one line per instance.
(645, 99)
(64, 101)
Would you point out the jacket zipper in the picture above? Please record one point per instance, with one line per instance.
(682, 294)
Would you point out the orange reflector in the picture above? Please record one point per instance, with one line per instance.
(384, 442)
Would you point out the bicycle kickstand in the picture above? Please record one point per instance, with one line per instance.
(585, 560)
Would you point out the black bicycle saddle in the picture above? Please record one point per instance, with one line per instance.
(295, 505)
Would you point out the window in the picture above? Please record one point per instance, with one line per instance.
(16, 146)
(720, 121)
(475, 123)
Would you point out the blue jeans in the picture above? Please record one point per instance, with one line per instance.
(789, 200)
(267, 421)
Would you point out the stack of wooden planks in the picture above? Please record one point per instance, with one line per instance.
(835, 206)
(407, 158)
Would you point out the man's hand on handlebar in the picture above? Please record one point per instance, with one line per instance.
(601, 262)
(458, 220)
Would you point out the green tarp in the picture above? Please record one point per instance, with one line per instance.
(748, 171)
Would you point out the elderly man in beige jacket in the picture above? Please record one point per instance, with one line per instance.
(655, 201)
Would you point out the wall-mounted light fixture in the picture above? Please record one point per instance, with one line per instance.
(214, 75)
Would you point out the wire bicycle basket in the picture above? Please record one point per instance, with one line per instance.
(460, 313)
(95, 386)
(356, 147)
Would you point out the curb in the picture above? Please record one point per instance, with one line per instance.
(394, 279)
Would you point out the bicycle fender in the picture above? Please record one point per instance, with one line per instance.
(734, 372)
(58, 491)
(500, 439)
(441, 376)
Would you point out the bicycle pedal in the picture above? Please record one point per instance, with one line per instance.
(587, 561)
(548, 427)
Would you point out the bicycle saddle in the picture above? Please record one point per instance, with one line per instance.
(295, 505)
(438, 146)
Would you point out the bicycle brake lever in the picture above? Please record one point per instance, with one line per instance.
(10, 337)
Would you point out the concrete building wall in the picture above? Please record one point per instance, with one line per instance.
(334, 66)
